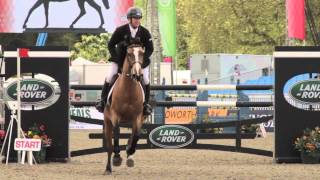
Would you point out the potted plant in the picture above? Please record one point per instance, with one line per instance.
(309, 145)
(38, 132)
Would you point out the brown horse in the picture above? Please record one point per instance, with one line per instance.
(45, 3)
(126, 106)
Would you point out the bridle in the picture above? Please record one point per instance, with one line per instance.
(138, 60)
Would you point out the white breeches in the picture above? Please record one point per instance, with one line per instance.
(114, 70)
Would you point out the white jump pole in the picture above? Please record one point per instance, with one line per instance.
(18, 101)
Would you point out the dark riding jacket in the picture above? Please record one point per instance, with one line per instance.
(119, 42)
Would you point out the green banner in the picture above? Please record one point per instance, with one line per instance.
(167, 25)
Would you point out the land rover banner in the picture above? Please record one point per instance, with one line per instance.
(44, 94)
(297, 97)
(18, 16)
(37, 92)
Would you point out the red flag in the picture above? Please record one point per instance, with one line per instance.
(23, 52)
(296, 19)
(121, 8)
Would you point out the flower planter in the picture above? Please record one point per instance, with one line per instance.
(40, 156)
(310, 158)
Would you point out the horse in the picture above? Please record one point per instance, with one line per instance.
(45, 3)
(126, 107)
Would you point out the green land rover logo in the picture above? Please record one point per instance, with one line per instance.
(171, 136)
(306, 92)
(36, 93)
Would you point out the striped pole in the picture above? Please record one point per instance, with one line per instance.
(195, 103)
(215, 103)
(40, 54)
(212, 87)
(188, 87)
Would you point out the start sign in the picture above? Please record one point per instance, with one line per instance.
(21, 144)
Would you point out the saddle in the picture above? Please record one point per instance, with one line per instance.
(113, 82)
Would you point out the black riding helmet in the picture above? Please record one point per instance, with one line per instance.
(134, 12)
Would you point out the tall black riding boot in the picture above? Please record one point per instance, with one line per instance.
(147, 109)
(104, 94)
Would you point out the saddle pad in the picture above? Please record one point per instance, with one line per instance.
(110, 92)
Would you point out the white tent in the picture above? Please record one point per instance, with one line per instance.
(76, 70)
(83, 71)
(81, 61)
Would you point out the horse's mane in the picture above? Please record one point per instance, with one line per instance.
(135, 42)
(134, 45)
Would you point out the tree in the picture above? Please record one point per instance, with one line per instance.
(229, 26)
(92, 47)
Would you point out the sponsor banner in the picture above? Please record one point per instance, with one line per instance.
(303, 91)
(217, 112)
(37, 92)
(180, 116)
(296, 97)
(186, 116)
(257, 112)
(173, 116)
(44, 87)
(269, 126)
(86, 112)
(171, 136)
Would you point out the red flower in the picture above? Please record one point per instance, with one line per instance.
(42, 128)
(44, 136)
(2, 134)
(38, 131)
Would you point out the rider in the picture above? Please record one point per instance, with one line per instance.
(117, 47)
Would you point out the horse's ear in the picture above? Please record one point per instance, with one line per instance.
(138, 40)
(135, 40)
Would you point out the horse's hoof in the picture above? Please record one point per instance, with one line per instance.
(71, 26)
(24, 26)
(107, 172)
(130, 161)
(117, 160)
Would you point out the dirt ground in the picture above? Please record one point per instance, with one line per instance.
(166, 164)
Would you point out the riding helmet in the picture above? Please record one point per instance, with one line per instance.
(134, 12)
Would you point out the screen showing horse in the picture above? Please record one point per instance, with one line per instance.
(64, 15)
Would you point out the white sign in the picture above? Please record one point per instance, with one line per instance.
(21, 144)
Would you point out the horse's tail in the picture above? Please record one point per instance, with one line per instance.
(106, 4)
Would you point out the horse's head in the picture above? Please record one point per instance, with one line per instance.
(134, 58)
